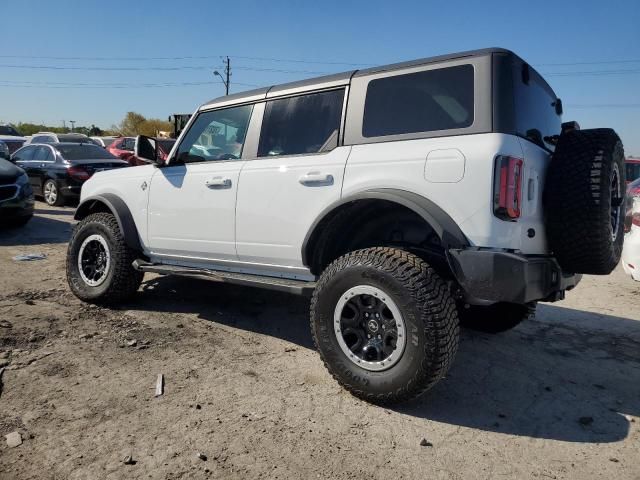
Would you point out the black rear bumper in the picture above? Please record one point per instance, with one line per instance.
(489, 276)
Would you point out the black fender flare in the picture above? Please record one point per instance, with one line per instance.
(444, 226)
(119, 209)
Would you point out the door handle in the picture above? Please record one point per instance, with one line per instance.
(218, 182)
(316, 178)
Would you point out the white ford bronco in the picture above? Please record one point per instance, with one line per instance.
(406, 199)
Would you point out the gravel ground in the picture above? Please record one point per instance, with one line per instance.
(558, 397)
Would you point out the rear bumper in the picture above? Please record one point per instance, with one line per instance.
(489, 276)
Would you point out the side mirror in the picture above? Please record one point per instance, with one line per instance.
(146, 148)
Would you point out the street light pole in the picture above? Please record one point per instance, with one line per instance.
(227, 71)
(73, 124)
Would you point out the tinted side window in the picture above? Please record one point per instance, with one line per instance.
(24, 154)
(40, 139)
(426, 101)
(216, 135)
(43, 153)
(298, 125)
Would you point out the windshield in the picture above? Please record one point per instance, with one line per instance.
(8, 130)
(83, 152)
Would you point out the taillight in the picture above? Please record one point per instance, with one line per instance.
(78, 173)
(507, 188)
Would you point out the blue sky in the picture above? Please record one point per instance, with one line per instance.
(590, 36)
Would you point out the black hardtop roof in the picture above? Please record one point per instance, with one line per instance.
(342, 78)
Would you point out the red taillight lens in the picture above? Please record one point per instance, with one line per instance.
(507, 188)
(78, 173)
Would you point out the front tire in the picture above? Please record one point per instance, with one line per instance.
(394, 292)
(52, 195)
(99, 262)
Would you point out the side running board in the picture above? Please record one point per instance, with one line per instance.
(297, 287)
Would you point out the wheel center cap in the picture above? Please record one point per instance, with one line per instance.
(373, 326)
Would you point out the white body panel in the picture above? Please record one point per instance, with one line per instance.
(468, 200)
(631, 250)
(126, 183)
(260, 218)
(279, 198)
(192, 210)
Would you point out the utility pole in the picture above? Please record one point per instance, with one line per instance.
(64, 124)
(226, 80)
(73, 124)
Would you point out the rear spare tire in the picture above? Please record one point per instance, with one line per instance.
(584, 201)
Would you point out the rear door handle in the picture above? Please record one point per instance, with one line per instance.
(218, 182)
(316, 179)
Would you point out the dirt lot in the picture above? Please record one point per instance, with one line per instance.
(558, 397)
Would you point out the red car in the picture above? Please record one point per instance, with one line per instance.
(123, 148)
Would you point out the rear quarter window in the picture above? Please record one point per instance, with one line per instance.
(432, 100)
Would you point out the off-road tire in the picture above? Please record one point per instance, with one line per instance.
(122, 280)
(496, 318)
(578, 201)
(428, 311)
(60, 200)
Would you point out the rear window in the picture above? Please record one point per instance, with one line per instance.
(535, 106)
(83, 152)
(432, 100)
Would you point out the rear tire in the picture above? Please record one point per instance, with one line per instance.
(584, 201)
(99, 262)
(496, 318)
(418, 306)
(52, 195)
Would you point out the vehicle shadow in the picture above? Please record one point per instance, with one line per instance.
(567, 375)
(39, 230)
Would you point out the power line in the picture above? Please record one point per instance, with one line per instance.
(197, 57)
(27, 84)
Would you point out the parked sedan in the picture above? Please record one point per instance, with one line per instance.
(16, 195)
(57, 171)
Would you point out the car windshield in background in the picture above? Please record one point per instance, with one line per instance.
(108, 141)
(83, 152)
(7, 130)
(166, 145)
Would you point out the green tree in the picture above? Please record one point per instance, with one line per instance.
(131, 124)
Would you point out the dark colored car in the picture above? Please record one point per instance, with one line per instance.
(124, 147)
(16, 195)
(57, 171)
(11, 138)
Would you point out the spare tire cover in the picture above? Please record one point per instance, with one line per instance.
(584, 201)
